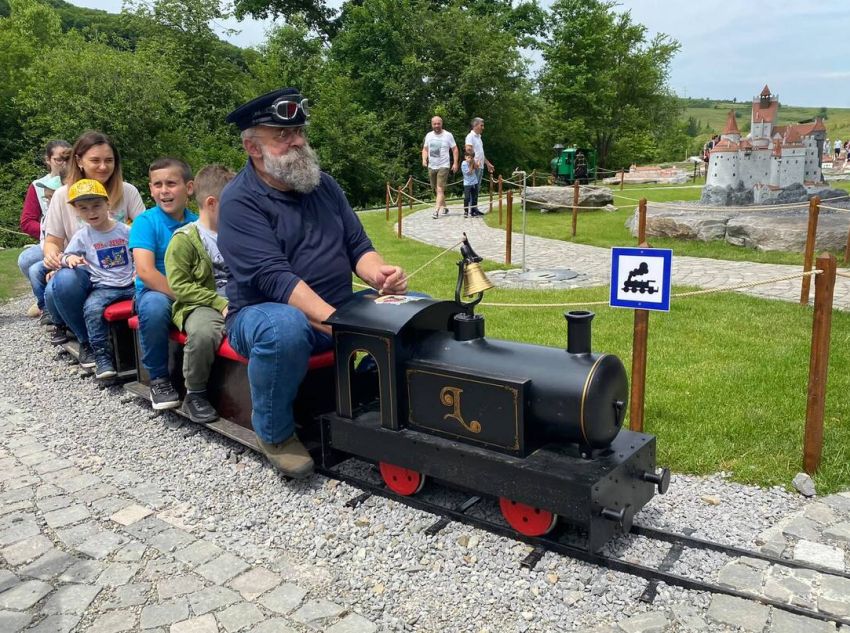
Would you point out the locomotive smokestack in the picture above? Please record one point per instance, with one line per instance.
(578, 331)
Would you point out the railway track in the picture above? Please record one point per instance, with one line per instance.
(541, 545)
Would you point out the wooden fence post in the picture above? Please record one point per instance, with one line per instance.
(491, 193)
(638, 387)
(642, 221)
(399, 210)
(622, 179)
(388, 201)
(819, 363)
(509, 226)
(575, 206)
(847, 250)
(410, 187)
(811, 238)
(500, 200)
(534, 178)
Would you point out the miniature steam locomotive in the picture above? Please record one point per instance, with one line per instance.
(539, 428)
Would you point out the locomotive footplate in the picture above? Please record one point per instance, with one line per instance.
(599, 495)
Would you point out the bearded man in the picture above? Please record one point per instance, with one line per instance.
(291, 241)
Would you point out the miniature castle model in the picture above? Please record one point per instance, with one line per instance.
(771, 158)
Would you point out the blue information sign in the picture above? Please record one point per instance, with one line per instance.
(640, 278)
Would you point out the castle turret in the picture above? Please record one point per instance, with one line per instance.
(730, 132)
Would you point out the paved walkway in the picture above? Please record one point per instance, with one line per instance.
(99, 553)
(593, 263)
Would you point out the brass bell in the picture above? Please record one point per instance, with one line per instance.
(474, 279)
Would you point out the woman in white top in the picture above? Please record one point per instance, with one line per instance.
(94, 156)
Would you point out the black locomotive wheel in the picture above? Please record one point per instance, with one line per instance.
(402, 481)
(527, 520)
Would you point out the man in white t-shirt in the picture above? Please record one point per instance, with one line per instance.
(474, 139)
(438, 152)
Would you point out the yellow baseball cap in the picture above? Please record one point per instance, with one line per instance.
(86, 189)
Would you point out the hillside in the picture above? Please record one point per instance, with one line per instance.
(712, 116)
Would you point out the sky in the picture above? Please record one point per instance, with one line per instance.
(730, 48)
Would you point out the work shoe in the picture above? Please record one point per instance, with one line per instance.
(34, 311)
(58, 335)
(289, 457)
(163, 395)
(103, 366)
(86, 358)
(45, 319)
(198, 408)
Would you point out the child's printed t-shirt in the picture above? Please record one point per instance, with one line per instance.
(470, 174)
(107, 255)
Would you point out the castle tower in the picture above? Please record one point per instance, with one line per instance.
(730, 132)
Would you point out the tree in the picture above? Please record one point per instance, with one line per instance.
(605, 80)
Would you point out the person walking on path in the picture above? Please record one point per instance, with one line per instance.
(438, 150)
(474, 139)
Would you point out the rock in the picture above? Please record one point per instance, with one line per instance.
(738, 612)
(741, 577)
(819, 554)
(715, 195)
(804, 484)
(711, 500)
(834, 596)
(840, 532)
(802, 528)
(552, 198)
(652, 622)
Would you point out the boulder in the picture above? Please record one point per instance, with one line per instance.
(682, 224)
(717, 196)
(786, 231)
(552, 198)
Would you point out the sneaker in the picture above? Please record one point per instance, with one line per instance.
(289, 457)
(86, 358)
(45, 319)
(103, 366)
(436, 215)
(34, 311)
(58, 335)
(163, 395)
(445, 210)
(198, 408)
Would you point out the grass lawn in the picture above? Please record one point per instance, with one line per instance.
(12, 282)
(727, 374)
(599, 228)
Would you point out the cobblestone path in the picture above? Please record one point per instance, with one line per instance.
(594, 263)
(97, 553)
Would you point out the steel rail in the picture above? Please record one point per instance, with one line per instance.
(601, 560)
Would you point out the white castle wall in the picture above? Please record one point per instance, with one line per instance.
(723, 168)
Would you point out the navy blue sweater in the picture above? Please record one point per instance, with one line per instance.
(273, 239)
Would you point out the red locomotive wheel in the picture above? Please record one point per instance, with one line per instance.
(527, 520)
(402, 481)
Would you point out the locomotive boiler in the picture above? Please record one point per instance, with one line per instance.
(537, 427)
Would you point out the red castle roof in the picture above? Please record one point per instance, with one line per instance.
(765, 92)
(731, 124)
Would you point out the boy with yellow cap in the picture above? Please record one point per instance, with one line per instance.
(101, 248)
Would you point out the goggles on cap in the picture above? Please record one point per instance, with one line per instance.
(286, 110)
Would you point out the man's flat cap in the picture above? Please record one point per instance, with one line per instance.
(285, 107)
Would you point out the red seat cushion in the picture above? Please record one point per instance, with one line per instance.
(317, 361)
(177, 335)
(119, 311)
(228, 352)
(133, 322)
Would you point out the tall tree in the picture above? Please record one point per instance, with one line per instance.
(605, 79)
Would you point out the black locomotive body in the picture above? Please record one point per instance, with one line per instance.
(537, 427)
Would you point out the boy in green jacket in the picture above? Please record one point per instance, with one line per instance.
(197, 276)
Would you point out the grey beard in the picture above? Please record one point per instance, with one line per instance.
(298, 169)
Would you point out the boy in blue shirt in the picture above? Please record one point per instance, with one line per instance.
(469, 168)
(171, 186)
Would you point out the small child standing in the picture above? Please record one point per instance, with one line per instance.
(469, 167)
(102, 248)
(197, 275)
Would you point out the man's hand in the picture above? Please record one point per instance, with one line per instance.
(391, 280)
(455, 168)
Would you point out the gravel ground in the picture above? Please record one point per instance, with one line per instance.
(374, 558)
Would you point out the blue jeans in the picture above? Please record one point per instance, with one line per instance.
(64, 297)
(154, 310)
(96, 325)
(278, 341)
(30, 261)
